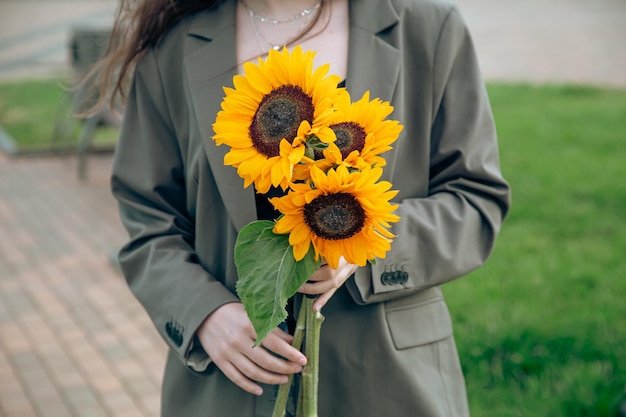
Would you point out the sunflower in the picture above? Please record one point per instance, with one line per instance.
(341, 213)
(362, 133)
(273, 109)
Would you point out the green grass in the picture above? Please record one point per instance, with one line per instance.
(30, 110)
(541, 328)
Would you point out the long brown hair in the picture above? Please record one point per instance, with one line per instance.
(138, 26)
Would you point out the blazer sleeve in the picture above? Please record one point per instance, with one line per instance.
(453, 229)
(159, 261)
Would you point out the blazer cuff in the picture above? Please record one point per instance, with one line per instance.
(196, 358)
(381, 282)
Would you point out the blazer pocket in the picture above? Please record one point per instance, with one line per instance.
(418, 324)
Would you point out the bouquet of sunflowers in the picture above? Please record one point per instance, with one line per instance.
(291, 127)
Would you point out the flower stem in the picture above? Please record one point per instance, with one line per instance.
(280, 405)
(310, 373)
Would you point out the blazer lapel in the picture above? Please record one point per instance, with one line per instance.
(209, 69)
(373, 64)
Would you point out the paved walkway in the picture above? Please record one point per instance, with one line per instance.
(562, 41)
(73, 340)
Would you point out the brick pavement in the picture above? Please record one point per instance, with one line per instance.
(73, 340)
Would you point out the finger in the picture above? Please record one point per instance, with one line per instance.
(284, 349)
(323, 299)
(283, 335)
(240, 379)
(321, 274)
(256, 367)
(319, 287)
(273, 362)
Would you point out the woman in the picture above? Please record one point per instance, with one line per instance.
(387, 345)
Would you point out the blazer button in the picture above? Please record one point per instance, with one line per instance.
(404, 277)
(385, 278)
(175, 332)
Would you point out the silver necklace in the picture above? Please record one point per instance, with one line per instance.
(304, 13)
(262, 40)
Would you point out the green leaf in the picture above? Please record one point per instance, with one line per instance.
(268, 275)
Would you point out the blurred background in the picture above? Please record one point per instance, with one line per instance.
(541, 329)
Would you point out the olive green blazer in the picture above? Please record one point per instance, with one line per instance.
(387, 342)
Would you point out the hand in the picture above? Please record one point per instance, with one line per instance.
(227, 336)
(326, 281)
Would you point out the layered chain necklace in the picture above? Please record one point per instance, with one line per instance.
(264, 43)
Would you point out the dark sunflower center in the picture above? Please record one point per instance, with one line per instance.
(350, 137)
(335, 216)
(278, 117)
